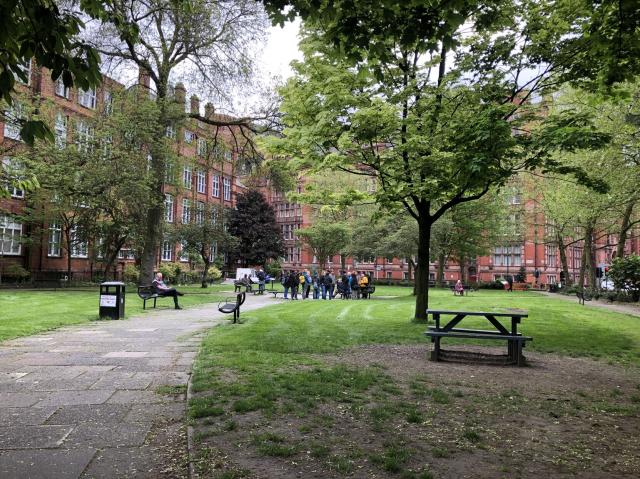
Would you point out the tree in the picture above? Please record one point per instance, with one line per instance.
(625, 274)
(434, 126)
(206, 41)
(325, 240)
(204, 236)
(78, 192)
(46, 32)
(253, 223)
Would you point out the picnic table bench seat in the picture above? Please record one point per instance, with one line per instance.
(231, 305)
(515, 340)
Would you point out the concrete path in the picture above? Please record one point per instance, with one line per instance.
(83, 401)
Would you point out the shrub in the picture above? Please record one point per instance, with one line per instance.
(170, 271)
(625, 274)
(131, 273)
(491, 285)
(16, 272)
(213, 274)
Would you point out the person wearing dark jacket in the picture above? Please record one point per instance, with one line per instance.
(329, 283)
(293, 284)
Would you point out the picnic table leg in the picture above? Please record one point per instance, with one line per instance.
(435, 354)
(519, 352)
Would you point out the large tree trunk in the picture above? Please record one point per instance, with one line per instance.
(586, 255)
(440, 273)
(624, 229)
(563, 259)
(205, 271)
(592, 262)
(463, 269)
(422, 270)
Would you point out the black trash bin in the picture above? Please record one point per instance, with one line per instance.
(112, 300)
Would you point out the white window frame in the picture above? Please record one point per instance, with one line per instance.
(226, 188)
(61, 90)
(87, 98)
(189, 136)
(167, 251)
(54, 248)
(184, 258)
(186, 211)
(199, 212)
(201, 147)
(10, 236)
(187, 177)
(215, 186)
(170, 132)
(12, 166)
(79, 249)
(84, 136)
(201, 181)
(107, 99)
(168, 208)
(12, 126)
(61, 130)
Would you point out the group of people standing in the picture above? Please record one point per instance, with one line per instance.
(349, 284)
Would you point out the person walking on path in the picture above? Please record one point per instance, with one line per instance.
(163, 290)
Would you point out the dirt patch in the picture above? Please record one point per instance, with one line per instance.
(559, 417)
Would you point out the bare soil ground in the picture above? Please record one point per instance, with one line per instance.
(559, 417)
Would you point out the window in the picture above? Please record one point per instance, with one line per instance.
(184, 256)
(199, 212)
(62, 90)
(405, 275)
(213, 250)
(26, 69)
(201, 181)
(12, 119)
(189, 136)
(215, 186)
(201, 147)
(170, 132)
(507, 256)
(87, 98)
(55, 239)
(169, 173)
(226, 186)
(389, 275)
(84, 137)
(228, 156)
(168, 208)
(576, 256)
(61, 130)
(126, 253)
(167, 251)
(13, 170)
(187, 177)
(10, 235)
(552, 255)
(186, 211)
(551, 279)
(108, 102)
(78, 245)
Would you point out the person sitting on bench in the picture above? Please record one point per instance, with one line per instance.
(164, 290)
(459, 288)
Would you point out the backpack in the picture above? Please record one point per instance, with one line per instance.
(328, 280)
(301, 279)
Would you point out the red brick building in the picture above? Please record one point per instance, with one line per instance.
(202, 182)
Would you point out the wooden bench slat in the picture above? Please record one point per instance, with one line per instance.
(488, 335)
(465, 330)
(523, 314)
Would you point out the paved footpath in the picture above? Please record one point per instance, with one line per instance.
(82, 401)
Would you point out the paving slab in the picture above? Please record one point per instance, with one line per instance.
(82, 401)
(45, 464)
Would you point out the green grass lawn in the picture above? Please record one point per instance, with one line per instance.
(23, 313)
(280, 385)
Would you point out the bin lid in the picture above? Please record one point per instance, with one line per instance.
(112, 283)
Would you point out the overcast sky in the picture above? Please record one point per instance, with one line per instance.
(281, 48)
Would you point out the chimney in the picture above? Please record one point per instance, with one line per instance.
(209, 110)
(181, 93)
(195, 104)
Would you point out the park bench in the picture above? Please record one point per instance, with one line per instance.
(232, 304)
(515, 341)
(147, 293)
(583, 296)
(367, 291)
(237, 287)
(275, 293)
(465, 289)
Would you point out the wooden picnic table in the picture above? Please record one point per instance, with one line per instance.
(515, 340)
